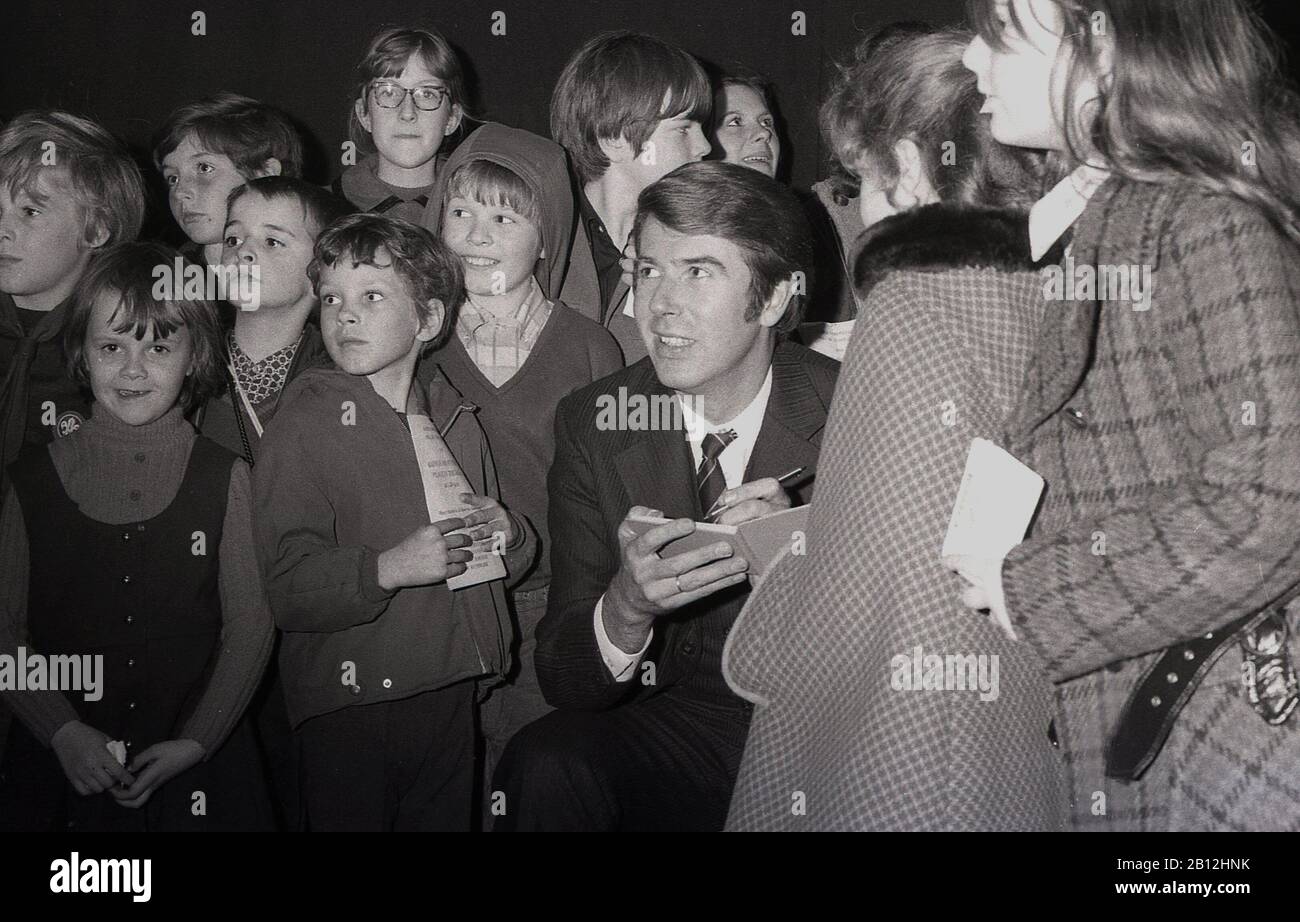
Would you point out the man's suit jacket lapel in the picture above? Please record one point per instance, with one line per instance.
(656, 468)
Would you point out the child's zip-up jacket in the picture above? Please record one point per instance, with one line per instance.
(337, 483)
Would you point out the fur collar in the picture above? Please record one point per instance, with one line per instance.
(939, 237)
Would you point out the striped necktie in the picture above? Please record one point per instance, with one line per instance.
(709, 480)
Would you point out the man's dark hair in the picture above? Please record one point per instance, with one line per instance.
(756, 213)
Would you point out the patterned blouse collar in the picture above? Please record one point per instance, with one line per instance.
(263, 379)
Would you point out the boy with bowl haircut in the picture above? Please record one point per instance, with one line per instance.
(207, 148)
(629, 108)
(381, 661)
(272, 223)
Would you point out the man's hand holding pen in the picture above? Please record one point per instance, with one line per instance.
(648, 586)
(754, 499)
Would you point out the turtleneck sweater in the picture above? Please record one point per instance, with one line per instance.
(118, 473)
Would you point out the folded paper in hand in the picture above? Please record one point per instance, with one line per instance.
(444, 482)
(994, 506)
(759, 540)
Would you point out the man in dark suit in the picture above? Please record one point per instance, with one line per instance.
(648, 735)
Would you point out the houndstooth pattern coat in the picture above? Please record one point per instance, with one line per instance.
(1170, 441)
(937, 357)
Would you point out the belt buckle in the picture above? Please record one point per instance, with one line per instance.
(1267, 671)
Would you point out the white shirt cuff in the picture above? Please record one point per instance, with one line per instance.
(622, 666)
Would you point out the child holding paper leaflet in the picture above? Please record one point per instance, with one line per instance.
(389, 631)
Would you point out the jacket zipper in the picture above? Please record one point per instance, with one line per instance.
(463, 408)
(466, 407)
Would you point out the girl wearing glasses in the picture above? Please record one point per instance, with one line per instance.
(410, 96)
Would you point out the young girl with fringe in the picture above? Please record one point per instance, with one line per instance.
(129, 545)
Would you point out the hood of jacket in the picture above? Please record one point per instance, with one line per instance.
(942, 236)
(541, 164)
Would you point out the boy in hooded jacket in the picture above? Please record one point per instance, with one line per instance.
(507, 215)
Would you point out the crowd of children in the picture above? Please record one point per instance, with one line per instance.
(342, 685)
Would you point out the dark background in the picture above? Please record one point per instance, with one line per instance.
(128, 63)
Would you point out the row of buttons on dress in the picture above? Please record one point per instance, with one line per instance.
(126, 581)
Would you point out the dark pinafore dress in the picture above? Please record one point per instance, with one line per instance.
(144, 596)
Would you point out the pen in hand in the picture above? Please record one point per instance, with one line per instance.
(717, 509)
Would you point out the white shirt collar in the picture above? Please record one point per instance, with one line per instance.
(747, 420)
(747, 424)
(1056, 212)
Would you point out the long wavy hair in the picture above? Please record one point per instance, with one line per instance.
(1197, 92)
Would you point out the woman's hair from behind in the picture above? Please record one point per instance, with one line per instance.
(1197, 91)
(907, 82)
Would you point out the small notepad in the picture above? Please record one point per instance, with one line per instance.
(444, 482)
(994, 505)
(759, 540)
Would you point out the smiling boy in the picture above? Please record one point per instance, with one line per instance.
(517, 352)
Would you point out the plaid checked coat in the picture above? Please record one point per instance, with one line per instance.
(937, 357)
(1171, 434)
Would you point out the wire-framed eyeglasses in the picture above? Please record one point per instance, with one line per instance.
(390, 95)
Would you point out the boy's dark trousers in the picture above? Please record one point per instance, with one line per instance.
(405, 765)
(511, 707)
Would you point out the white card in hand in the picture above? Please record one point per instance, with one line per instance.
(995, 503)
(444, 482)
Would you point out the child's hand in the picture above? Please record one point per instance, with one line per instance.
(157, 765)
(426, 556)
(85, 759)
(489, 518)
